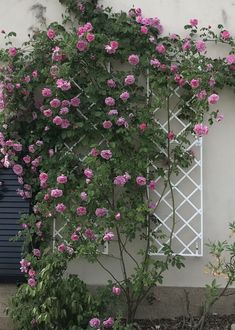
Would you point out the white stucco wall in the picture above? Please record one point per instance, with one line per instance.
(219, 151)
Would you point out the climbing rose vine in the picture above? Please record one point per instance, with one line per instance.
(78, 128)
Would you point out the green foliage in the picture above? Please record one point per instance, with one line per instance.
(138, 144)
(57, 302)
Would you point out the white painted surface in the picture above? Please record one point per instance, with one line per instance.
(219, 151)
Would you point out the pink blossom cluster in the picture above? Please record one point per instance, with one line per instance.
(200, 130)
(57, 55)
(62, 84)
(25, 267)
(101, 212)
(85, 36)
(51, 34)
(112, 47)
(96, 323)
(145, 22)
(121, 180)
(65, 248)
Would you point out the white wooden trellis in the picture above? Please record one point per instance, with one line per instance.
(187, 237)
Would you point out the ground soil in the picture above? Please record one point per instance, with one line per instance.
(213, 322)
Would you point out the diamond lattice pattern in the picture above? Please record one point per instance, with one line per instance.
(187, 190)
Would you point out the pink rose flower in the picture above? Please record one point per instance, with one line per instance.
(109, 101)
(46, 196)
(200, 130)
(17, 146)
(43, 177)
(161, 49)
(65, 123)
(107, 124)
(54, 71)
(37, 253)
(213, 99)
(174, 68)
(193, 21)
(90, 37)
(141, 181)
(81, 210)
(124, 96)
(61, 247)
(144, 30)
(194, 83)
(129, 80)
(143, 126)
(51, 34)
(152, 185)
(36, 162)
(111, 83)
(201, 46)
(88, 27)
(122, 122)
(24, 226)
(116, 290)
(90, 234)
(211, 82)
(151, 205)
(56, 56)
(170, 136)
(62, 84)
(12, 51)
(201, 95)
(133, 59)
(64, 111)
(74, 237)
(155, 63)
(81, 31)
(225, 35)
(186, 45)
(82, 45)
(88, 173)
(94, 152)
(219, 117)
(46, 92)
(65, 103)
(101, 212)
(62, 179)
(138, 11)
(75, 102)
(94, 323)
(56, 193)
(47, 113)
(35, 74)
(60, 208)
(27, 159)
(55, 103)
(108, 236)
(112, 47)
(32, 282)
(57, 120)
(17, 169)
(83, 196)
(113, 112)
(230, 59)
(118, 216)
(120, 180)
(32, 273)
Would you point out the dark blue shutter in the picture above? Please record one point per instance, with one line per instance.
(11, 207)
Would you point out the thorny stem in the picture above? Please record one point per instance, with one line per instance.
(110, 273)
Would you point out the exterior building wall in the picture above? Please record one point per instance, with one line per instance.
(219, 152)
